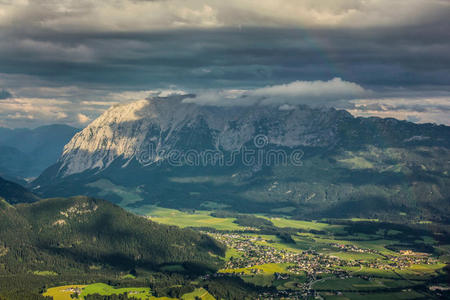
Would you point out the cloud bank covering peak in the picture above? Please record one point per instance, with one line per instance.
(298, 92)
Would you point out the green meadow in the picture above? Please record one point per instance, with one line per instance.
(189, 219)
(198, 293)
(264, 269)
(67, 292)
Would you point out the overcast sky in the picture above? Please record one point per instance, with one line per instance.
(64, 61)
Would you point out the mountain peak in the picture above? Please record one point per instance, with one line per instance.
(346, 166)
(126, 129)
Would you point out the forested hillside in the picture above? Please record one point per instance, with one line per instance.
(88, 238)
(14, 193)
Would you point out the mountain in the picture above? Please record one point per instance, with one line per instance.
(14, 193)
(27, 152)
(297, 160)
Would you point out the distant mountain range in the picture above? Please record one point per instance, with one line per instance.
(306, 162)
(27, 152)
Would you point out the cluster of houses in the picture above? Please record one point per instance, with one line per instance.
(256, 251)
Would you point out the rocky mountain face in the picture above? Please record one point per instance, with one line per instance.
(126, 131)
(280, 159)
(27, 152)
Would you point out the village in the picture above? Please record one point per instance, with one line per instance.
(253, 251)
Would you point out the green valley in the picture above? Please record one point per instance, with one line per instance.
(328, 258)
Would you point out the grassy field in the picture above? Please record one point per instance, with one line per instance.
(305, 225)
(45, 273)
(404, 295)
(355, 255)
(372, 272)
(194, 219)
(359, 284)
(199, 293)
(421, 272)
(264, 269)
(265, 280)
(378, 244)
(202, 218)
(62, 292)
(65, 292)
(106, 290)
(232, 253)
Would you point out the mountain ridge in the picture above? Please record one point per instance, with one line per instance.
(27, 152)
(349, 166)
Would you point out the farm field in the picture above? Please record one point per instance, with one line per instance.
(199, 293)
(185, 219)
(106, 290)
(403, 295)
(69, 292)
(62, 292)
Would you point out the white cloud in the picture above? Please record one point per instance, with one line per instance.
(297, 92)
(83, 119)
(33, 112)
(418, 109)
(286, 107)
(68, 104)
(310, 91)
(99, 103)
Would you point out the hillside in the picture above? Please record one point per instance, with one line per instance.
(59, 234)
(14, 193)
(348, 167)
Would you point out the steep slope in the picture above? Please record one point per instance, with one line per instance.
(297, 160)
(67, 236)
(27, 152)
(14, 193)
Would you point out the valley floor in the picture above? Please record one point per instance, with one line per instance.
(322, 260)
(281, 258)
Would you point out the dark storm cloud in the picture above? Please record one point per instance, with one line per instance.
(394, 48)
(234, 58)
(229, 57)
